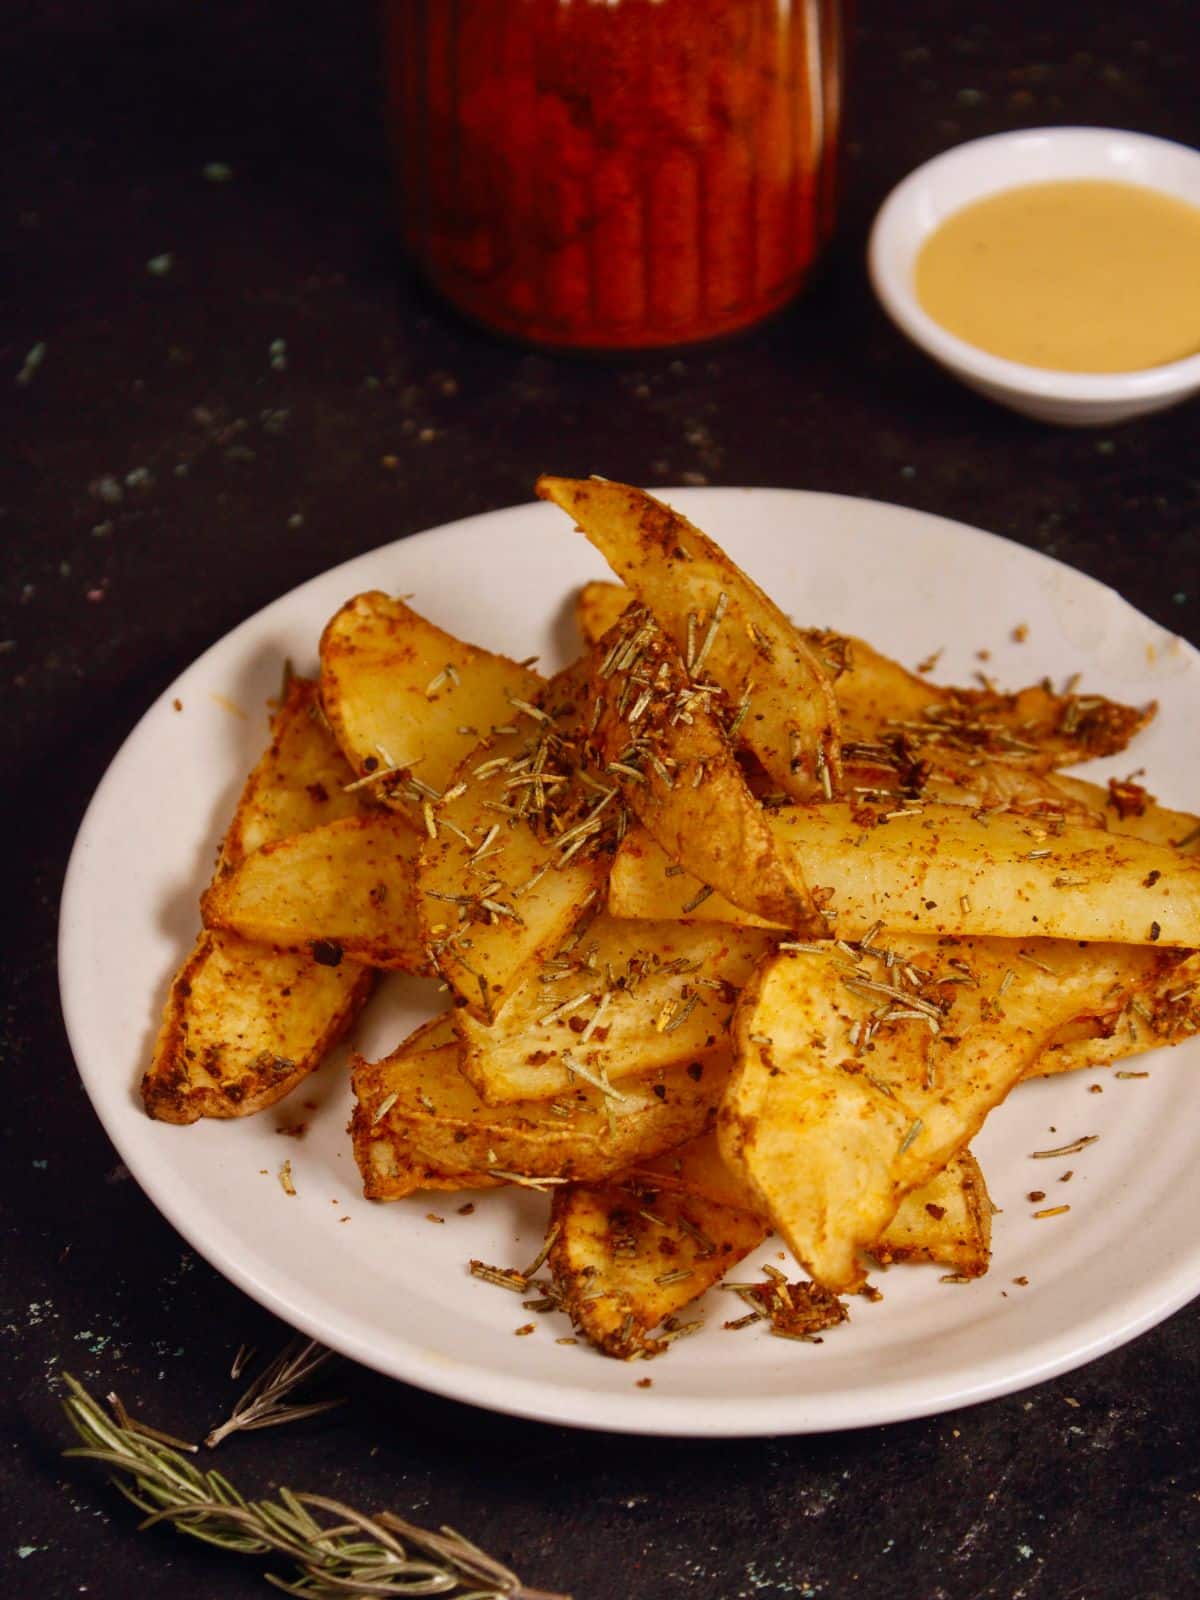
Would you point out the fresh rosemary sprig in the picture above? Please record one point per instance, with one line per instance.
(262, 1404)
(352, 1555)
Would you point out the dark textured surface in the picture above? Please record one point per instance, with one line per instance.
(248, 479)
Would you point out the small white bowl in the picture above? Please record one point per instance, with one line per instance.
(924, 200)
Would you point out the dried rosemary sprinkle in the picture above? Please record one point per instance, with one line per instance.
(1065, 1149)
(910, 1137)
(384, 1106)
(353, 1554)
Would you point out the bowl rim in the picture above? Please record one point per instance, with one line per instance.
(891, 280)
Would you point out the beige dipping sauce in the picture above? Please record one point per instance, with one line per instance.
(1078, 276)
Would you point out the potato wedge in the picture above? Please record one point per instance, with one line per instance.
(831, 1135)
(1162, 1010)
(520, 849)
(661, 738)
(347, 888)
(1032, 727)
(299, 783)
(597, 606)
(626, 1258)
(947, 1221)
(418, 1123)
(945, 869)
(719, 619)
(243, 1024)
(626, 1000)
(408, 701)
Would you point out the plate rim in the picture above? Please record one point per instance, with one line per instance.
(576, 1405)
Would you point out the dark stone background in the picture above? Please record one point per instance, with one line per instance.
(1087, 1487)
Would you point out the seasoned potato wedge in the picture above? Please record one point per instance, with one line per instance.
(597, 606)
(244, 1023)
(520, 849)
(661, 738)
(831, 1135)
(418, 1123)
(1162, 1009)
(948, 1220)
(1031, 727)
(407, 701)
(719, 619)
(945, 869)
(625, 1000)
(625, 1258)
(300, 782)
(347, 888)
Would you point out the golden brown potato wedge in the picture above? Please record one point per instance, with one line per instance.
(408, 701)
(519, 850)
(947, 1221)
(625, 1000)
(418, 1123)
(1031, 727)
(857, 1080)
(243, 1023)
(944, 869)
(626, 1258)
(661, 739)
(598, 605)
(1162, 1010)
(300, 782)
(721, 622)
(347, 888)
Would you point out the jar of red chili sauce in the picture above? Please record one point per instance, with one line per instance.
(615, 173)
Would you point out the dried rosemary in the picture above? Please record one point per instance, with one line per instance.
(262, 1405)
(350, 1554)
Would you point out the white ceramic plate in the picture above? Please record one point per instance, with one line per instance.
(389, 1287)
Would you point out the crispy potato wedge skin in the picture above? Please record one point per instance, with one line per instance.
(942, 869)
(619, 1273)
(243, 1025)
(396, 688)
(418, 1120)
(829, 1141)
(674, 987)
(659, 737)
(539, 871)
(675, 570)
(1030, 727)
(349, 885)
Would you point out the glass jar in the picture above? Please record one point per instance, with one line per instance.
(615, 173)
